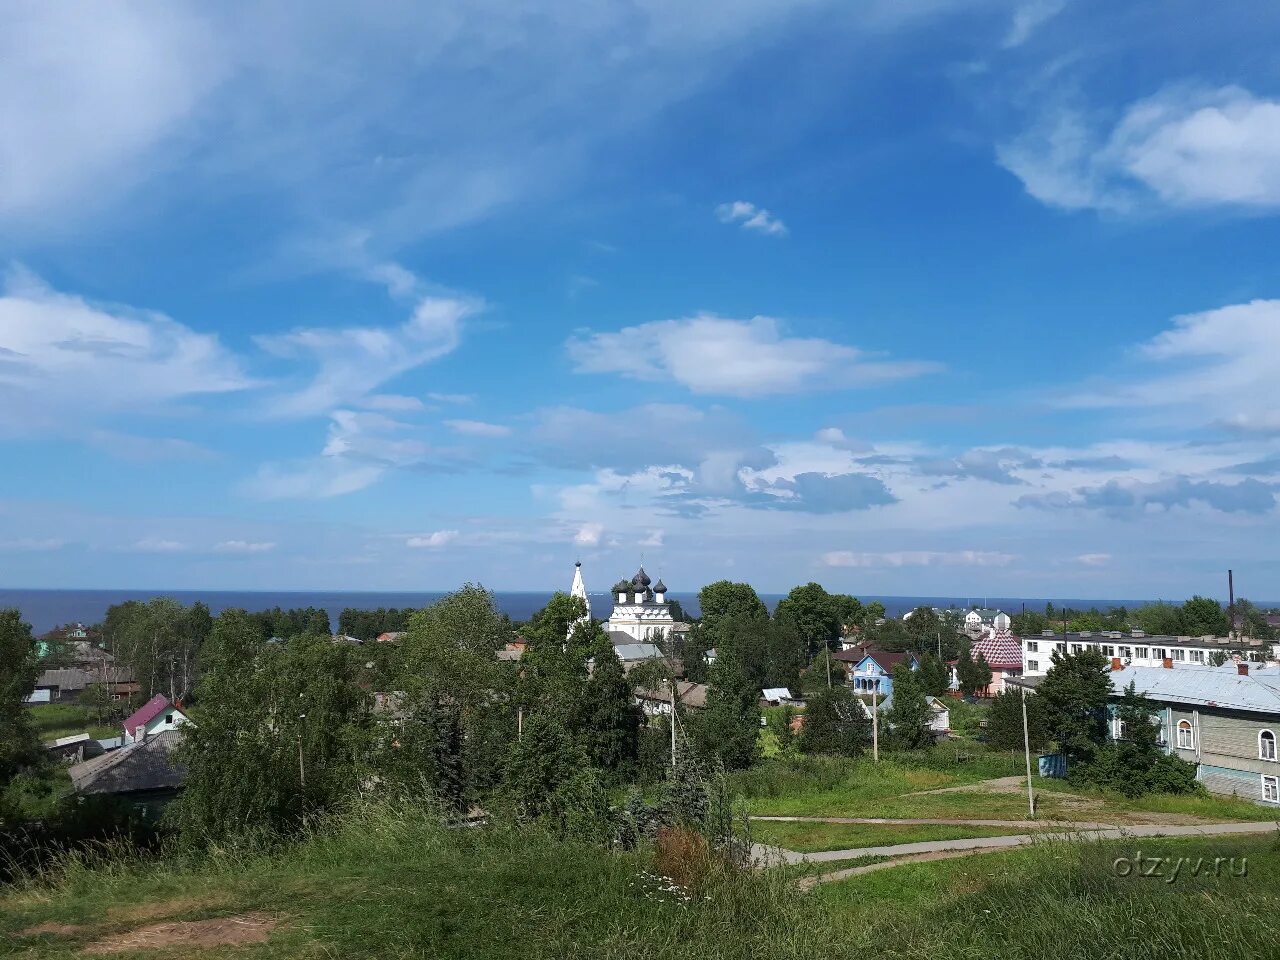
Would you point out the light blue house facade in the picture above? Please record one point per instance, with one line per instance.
(871, 672)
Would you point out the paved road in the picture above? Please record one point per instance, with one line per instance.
(1028, 824)
(940, 849)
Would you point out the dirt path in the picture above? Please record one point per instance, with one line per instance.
(942, 849)
(941, 822)
(998, 785)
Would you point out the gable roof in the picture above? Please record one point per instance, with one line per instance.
(885, 660)
(1194, 685)
(689, 693)
(146, 713)
(145, 765)
(636, 651)
(1001, 650)
(775, 693)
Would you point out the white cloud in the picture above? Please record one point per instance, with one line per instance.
(147, 449)
(391, 403)
(316, 479)
(1184, 147)
(440, 538)
(745, 358)
(1094, 559)
(65, 359)
(1028, 17)
(478, 428)
(87, 91)
(588, 534)
(158, 545)
(32, 544)
(654, 538)
(918, 558)
(243, 546)
(751, 217)
(455, 398)
(352, 361)
(1218, 365)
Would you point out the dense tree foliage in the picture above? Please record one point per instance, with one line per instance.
(814, 614)
(909, 714)
(160, 642)
(1134, 764)
(1074, 694)
(725, 598)
(727, 729)
(19, 668)
(1004, 721)
(836, 723)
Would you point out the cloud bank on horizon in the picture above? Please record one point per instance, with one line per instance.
(317, 299)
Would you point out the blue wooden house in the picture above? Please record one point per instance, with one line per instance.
(871, 671)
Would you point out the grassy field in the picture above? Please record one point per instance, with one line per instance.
(395, 884)
(893, 788)
(53, 720)
(815, 837)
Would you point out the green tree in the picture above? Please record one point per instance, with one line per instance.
(968, 675)
(1204, 616)
(725, 598)
(934, 676)
(1133, 764)
(815, 614)
(19, 668)
(318, 624)
(283, 732)
(909, 715)
(1158, 619)
(729, 726)
(1004, 722)
(780, 721)
(546, 757)
(1074, 694)
(836, 723)
(607, 716)
(981, 673)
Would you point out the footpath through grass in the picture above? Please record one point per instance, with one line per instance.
(391, 884)
(819, 837)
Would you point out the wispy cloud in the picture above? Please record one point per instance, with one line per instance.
(158, 545)
(1094, 559)
(744, 358)
(751, 217)
(478, 428)
(243, 546)
(1029, 17)
(66, 360)
(315, 479)
(918, 558)
(589, 534)
(140, 449)
(1185, 147)
(32, 544)
(433, 541)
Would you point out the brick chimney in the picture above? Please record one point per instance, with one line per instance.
(1242, 669)
(1167, 663)
(1116, 664)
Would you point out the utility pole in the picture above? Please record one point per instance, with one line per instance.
(1026, 745)
(302, 770)
(875, 723)
(828, 652)
(1231, 606)
(673, 721)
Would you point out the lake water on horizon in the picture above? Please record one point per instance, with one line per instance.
(46, 609)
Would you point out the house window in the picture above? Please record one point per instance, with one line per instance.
(1077, 648)
(1197, 656)
(1033, 647)
(1186, 736)
(1266, 745)
(1143, 653)
(168, 718)
(1161, 653)
(1179, 655)
(1033, 664)
(1270, 789)
(1108, 650)
(1126, 652)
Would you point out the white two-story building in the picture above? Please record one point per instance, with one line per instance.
(1136, 648)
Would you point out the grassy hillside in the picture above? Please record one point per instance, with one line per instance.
(396, 884)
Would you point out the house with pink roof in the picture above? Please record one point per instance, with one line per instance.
(157, 715)
(1003, 653)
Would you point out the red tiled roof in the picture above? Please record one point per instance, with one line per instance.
(146, 713)
(1002, 651)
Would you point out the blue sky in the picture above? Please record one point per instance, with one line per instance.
(912, 297)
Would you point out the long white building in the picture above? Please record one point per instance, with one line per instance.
(1135, 648)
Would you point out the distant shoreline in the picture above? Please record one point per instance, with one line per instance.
(46, 608)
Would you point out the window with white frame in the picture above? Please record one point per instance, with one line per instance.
(1186, 735)
(1142, 653)
(1161, 653)
(1270, 789)
(1179, 655)
(1033, 646)
(1197, 656)
(1126, 652)
(1077, 648)
(1033, 664)
(1267, 745)
(1062, 648)
(1108, 650)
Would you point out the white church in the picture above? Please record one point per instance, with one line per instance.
(640, 609)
